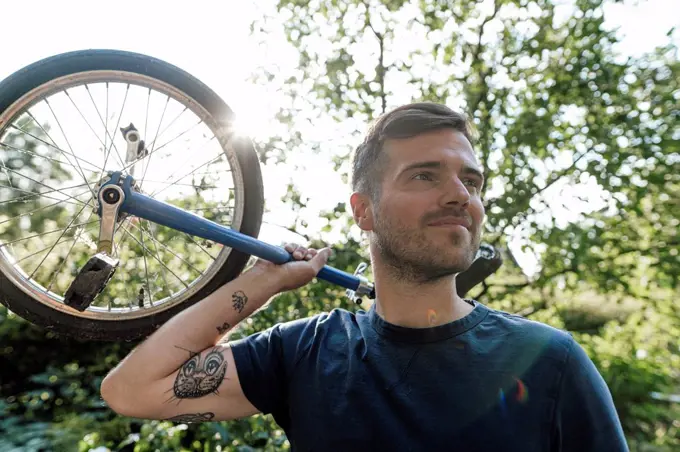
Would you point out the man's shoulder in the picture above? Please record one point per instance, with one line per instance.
(320, 321)
(529, 332)
(298, 336)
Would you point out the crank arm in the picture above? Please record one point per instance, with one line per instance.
(110, 199)
(97, 272)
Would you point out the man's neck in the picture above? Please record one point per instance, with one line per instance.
(417, 305)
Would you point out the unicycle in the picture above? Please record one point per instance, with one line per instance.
(126, 196)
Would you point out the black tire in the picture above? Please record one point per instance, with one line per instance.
(36, 74)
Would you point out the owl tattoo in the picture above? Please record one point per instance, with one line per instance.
(200, 376)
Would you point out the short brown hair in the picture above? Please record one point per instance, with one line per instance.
(406, 121)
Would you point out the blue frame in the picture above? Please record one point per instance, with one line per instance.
(162, 213)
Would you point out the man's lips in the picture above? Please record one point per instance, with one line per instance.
(446, 221)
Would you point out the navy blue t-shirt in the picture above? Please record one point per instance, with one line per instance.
(490, 381)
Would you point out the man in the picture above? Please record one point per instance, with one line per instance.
(422, 370)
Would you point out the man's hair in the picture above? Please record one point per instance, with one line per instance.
(406, 121)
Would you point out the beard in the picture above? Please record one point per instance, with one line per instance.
(410, 255)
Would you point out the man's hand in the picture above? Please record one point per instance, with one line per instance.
(297, 273)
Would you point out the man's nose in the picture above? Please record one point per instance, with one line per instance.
(455, 193)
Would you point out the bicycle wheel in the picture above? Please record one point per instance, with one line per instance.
(62, 126)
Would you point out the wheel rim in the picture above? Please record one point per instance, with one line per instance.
(152, 260)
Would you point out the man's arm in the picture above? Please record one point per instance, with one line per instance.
(585, 418)
(183, 371)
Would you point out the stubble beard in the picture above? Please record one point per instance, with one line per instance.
(409, 255)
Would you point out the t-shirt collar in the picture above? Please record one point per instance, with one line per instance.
(431, 334)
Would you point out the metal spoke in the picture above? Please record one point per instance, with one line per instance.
(189, 159)
(39, 209)
(56, 273)
(212, 173)
(184, 185)
(160, 147)
(33, 194)
(41, 250)
(173, 121)
(38, 182)
(4, 167)
(47, 233)
(122, 108)
(116, 247)
(199, 245)
(146, 269)
(150, 232)
(69, 146)
(159, 261)
(54, 145)
(160, 122)
(108, 152)
(168, 126)
(41, 156)
(187, 175)
(34, 253)
(146, 126)
(179, 135)
(146, 118)
(88, 122)
(153, 143)
(105, 124)
(55, 243)
(172, 252)
(228, 208)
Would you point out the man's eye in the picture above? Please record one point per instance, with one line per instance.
(423, 176)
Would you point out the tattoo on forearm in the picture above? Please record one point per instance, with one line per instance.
(239, 300)
(192, 417)
(224, 328)
(199, 377)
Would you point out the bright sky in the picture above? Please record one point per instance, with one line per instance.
(210, 40)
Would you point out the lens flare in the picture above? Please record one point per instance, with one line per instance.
(522, 392)
(432, 316)
(501, 398)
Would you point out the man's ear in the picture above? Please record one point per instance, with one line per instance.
(362, 211)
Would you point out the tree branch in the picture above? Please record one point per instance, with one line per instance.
(519, 215)
(381, 70)
(483, 74)
(477, 55)
(517, 287)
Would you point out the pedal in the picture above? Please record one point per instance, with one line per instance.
(91, 281)
(136, 149)
(486, 263)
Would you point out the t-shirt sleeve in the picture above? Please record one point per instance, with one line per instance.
(265, 361)
(586, 419)
(259, 364)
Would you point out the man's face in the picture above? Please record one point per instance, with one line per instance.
(427, 222)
